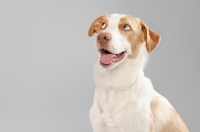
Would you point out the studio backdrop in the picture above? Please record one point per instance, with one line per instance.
(46, 60)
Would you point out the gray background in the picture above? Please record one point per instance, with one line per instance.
(46, 60)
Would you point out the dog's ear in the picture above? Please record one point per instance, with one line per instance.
(152, 38)
(95, 26)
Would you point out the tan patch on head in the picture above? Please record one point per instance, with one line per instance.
(134, 36)
(96, 25)
(139, 33)
(154, 108)
(175, 123)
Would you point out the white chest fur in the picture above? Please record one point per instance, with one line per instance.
(122, 110)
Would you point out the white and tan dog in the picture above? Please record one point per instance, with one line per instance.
(124, 99)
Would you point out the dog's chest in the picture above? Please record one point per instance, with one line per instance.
(119, 110)
(110, 102)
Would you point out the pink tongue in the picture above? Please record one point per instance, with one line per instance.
(106, 58)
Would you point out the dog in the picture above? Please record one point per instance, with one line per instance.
(124, 99)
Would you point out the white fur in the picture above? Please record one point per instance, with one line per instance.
(123, 94)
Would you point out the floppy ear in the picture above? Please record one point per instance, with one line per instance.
(152, 38)
(95, 26)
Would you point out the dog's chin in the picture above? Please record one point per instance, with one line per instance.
(109, 60)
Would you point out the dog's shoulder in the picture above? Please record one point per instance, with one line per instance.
(164, 117)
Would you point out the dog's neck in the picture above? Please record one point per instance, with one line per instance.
(121, 77)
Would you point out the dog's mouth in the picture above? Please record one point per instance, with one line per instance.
(107, 58)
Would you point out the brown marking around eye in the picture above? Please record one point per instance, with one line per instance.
(96, 25)
(134, 36)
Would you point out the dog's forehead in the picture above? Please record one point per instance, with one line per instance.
(114, 20)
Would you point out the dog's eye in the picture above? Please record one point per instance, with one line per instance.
(103, 25)
(127, 27)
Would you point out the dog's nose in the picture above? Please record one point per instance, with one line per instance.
(103, 38)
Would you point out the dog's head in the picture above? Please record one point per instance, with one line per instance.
(120, 37)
